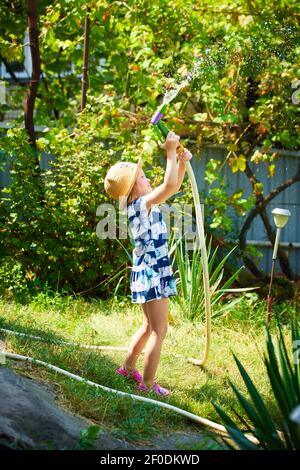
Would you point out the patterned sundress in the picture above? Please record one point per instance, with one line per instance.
(152, 275)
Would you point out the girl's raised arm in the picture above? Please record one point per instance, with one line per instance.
(169, 186)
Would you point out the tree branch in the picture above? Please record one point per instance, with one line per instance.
(260, 209)
(10, 71)
(36, 71)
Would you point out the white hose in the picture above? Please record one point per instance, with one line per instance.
(204, 261)
(206, 422)
(80, 345)
(85, 346)
(186, 414)
(192, 416)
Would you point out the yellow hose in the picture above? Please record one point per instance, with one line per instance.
(201, 236)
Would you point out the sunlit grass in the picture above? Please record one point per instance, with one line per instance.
(100, 323)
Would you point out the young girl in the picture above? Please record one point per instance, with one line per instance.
(151, 279)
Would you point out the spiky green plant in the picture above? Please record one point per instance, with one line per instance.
(189, 279)
(284, 377)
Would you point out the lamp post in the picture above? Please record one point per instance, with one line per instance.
(280, 218)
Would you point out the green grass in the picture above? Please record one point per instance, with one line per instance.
(193, 389)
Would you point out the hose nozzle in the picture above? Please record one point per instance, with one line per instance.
(158, 114)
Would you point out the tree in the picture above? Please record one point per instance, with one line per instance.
(36, 72)
(243, 62)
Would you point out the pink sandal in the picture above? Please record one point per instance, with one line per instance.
(156, 388)
(134, 375)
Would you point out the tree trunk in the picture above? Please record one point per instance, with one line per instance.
(84, 81)
(36, 71)
(260, 208)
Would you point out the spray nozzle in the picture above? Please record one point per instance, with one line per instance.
(158, 114)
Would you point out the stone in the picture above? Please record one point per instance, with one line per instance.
(30, 418)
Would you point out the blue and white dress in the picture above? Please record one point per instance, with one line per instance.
(151, 276)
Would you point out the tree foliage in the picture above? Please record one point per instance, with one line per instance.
(242, 61)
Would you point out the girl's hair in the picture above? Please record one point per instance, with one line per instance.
(130, 194)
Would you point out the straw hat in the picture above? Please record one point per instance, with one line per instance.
(120, 179)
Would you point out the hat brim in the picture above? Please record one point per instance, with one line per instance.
(123, 199)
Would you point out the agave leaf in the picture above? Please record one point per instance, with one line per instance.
(237, 289)
(117, 286)
(190, 272)
(275, 377)
(285, 390)
(277, 386)
(233, 277)
(215, 286)
(287, 374)
(221, 264)
(174, 244)
(295, 333)
(228, 283)
(212, 259)
(281, 398)
(265, 433)
(295, 383)
(245, 423)
(225, 307)
(256, 398)
(241, 440)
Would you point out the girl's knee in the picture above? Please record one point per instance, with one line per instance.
(161, 330)
(147, 328)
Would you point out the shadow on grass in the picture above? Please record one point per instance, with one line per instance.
(127, 418)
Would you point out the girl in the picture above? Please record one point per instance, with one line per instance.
(151, 279)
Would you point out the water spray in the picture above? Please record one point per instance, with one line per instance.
(157, 122)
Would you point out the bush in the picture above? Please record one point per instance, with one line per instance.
(48, 222)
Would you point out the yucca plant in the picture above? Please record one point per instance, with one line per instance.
(284, 376)
(189, 280)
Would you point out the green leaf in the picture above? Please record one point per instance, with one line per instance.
(256, 398)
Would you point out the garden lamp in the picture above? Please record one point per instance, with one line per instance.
(280, 218)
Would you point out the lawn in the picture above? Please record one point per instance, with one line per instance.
(105, 323)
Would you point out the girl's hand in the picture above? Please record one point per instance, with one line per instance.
(185, 156)
(172, 142)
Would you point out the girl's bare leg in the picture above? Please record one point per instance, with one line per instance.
(157, 311)
(138, 342)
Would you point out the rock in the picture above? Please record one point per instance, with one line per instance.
(30, 418)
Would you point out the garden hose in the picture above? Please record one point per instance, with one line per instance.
(79, 345)
(200, 420)
(182, 412)
(200, 231)
(157, 122)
